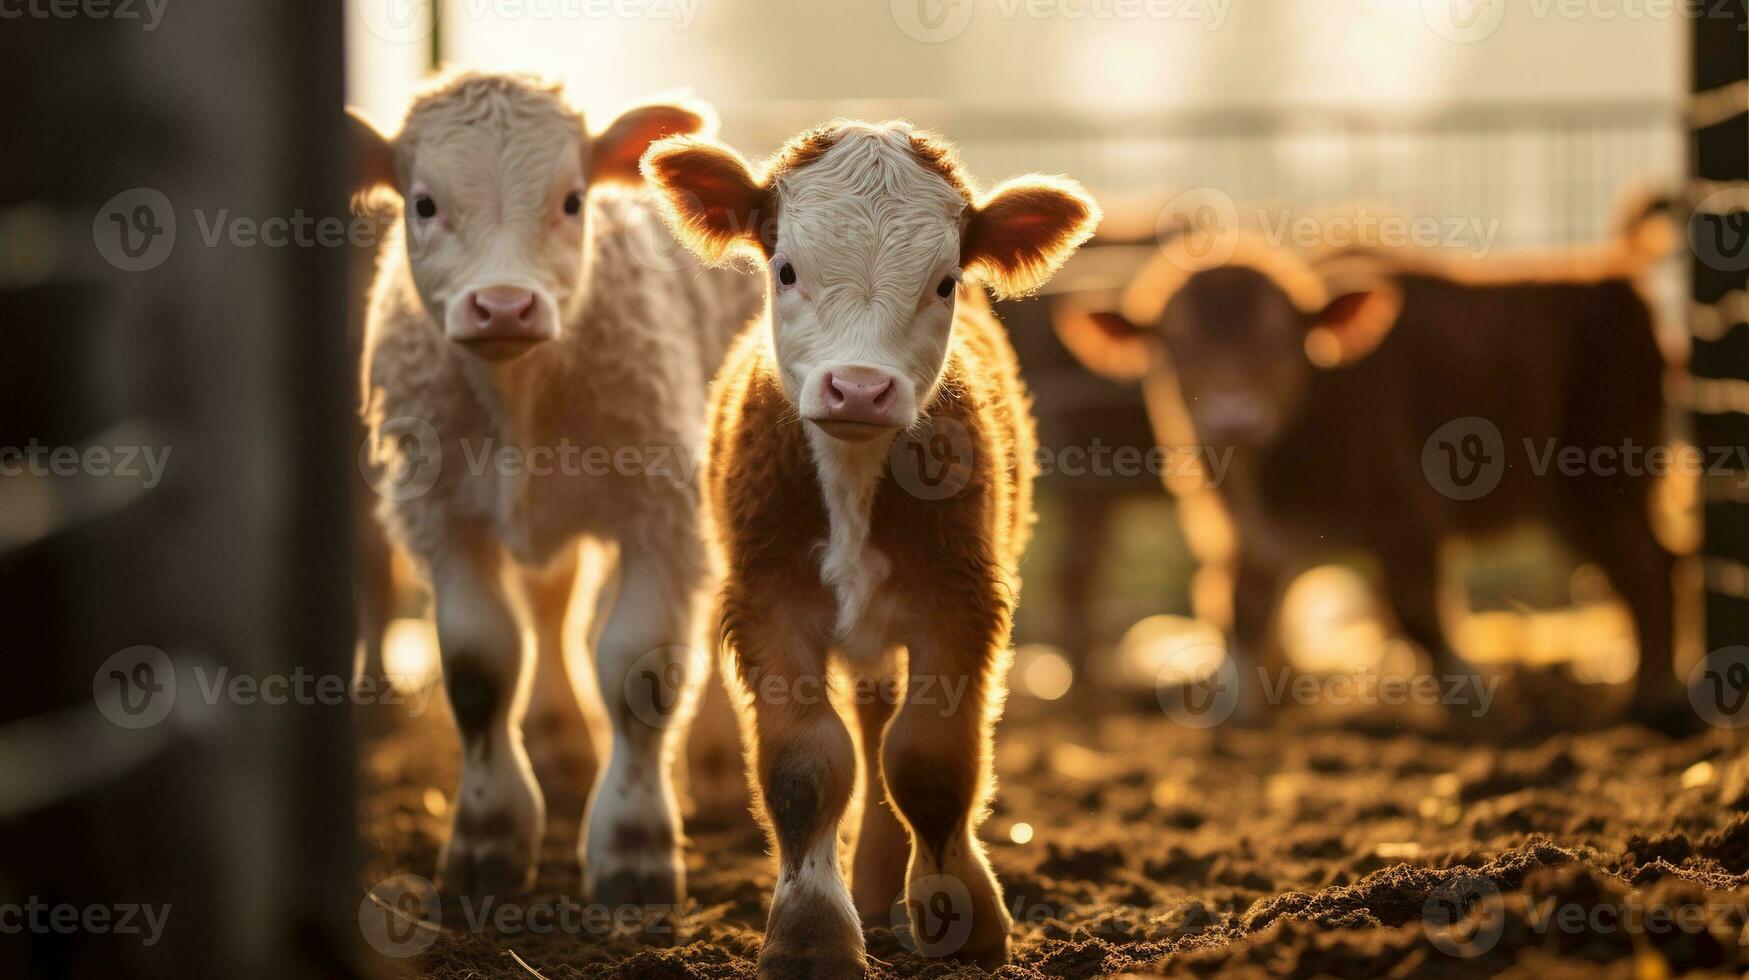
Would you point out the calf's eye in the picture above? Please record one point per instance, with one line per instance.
(786, 274)
(945, 288)
(573, 203)
(424, 206)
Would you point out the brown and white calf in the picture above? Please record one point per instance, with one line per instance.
(535, 379)
(870, 478)
(1384, 400)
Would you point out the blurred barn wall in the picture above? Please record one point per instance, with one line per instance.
(1261, 53)
(1282, 101)
(231, 359)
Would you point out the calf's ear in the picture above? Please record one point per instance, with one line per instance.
(1364, 303)
(1021, 232)
(373, 154)
(614, 152)
(709, 196)
(1105, 342)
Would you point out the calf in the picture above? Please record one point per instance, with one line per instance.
(535, 376)
(1381, 400)
(870, 476)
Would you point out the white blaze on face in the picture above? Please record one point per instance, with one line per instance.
(495, 221)
(866, 236)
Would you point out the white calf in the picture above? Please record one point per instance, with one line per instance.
(535, 375)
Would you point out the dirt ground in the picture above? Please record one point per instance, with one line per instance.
(1313, 847)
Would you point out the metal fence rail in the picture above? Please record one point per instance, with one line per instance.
(1548, 172)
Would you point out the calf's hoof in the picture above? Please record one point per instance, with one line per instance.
(811, 965)
(494, 840)
(989, 952)
(488, 867)
(645, 897)
(980, 942)
(812, 934)
(631, 887)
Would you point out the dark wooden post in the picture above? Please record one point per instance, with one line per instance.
(143, 311)
(1719, 235)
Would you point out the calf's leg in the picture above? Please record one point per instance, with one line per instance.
(1255, 651)
(649, 665)
(806, 768)
(494, 841)
(557, 735)
(877, 873)
(937, 765)
(1411, 586)
(1618, 536)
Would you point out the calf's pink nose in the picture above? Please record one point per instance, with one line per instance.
(857, 394)
(502, 308)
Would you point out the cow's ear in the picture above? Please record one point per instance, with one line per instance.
(1021, 232)
(1105, 342)
(373, 154)
(1362, 305)
(709, 196)
(615, 151)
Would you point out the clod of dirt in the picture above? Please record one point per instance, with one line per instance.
(1496, 775)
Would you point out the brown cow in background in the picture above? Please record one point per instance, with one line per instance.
(1384, 400)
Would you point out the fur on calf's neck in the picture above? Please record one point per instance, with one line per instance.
(849, 474)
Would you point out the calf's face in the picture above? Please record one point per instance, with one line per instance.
(493, 171)
(1237, 343)
(1242, 340)
(863, 284)
(866, 232)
